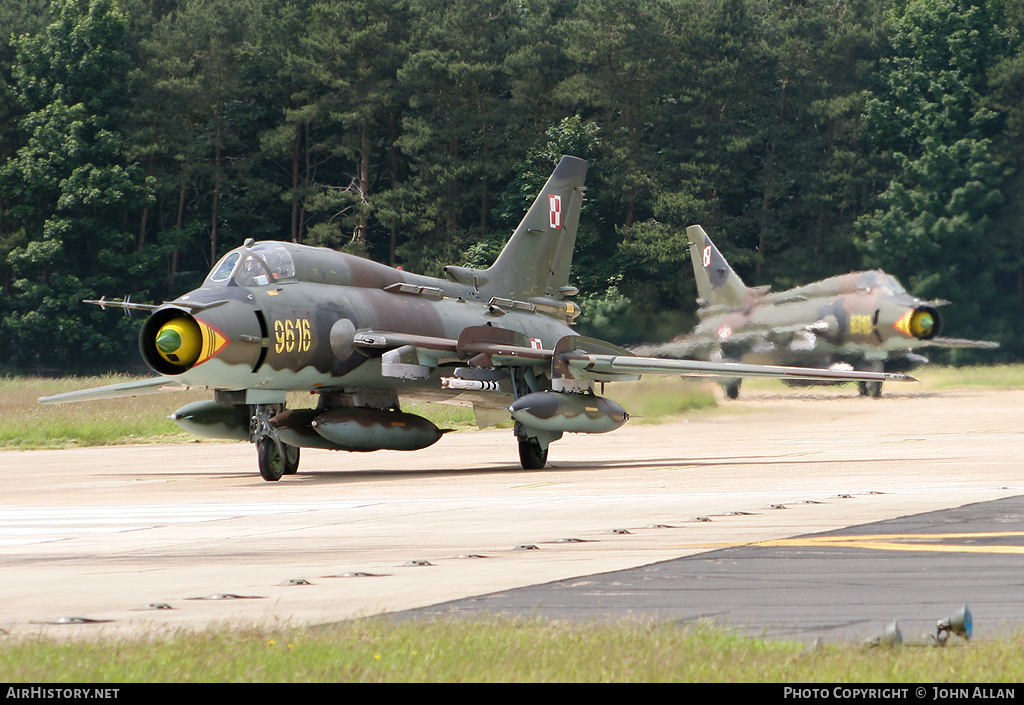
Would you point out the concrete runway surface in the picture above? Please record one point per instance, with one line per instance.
(99, 533)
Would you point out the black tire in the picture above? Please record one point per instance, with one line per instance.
(269, 458)
(870, 389)
(531, 456)
(733, 390)
(291, 459)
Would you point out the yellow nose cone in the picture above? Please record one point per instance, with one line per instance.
(179, 341)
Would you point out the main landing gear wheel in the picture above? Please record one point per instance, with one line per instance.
(291, 459)
(733, 390)
(870, 389)
(272, 465)
(531, 455)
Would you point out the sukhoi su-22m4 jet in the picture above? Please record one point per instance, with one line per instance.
(274, 317)
(861, 320)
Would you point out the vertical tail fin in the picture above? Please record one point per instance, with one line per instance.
(536, 259)
(717, 284)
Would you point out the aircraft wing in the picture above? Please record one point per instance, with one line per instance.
(115, 391)
(606, 366)
(589, 358)
(959, 343)
(626, 364)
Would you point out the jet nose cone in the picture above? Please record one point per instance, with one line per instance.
(179, 341)
(168, 341)
(921, 325)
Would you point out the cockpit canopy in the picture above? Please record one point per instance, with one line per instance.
(259, 265)
(876, 281)
(273, 262)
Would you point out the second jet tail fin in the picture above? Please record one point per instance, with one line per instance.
(717, 284)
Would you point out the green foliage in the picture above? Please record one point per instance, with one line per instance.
(72, 184)
(936, 225)
(141, 139)
(601, 308)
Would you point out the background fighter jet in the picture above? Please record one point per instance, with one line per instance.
(861, 320)
(274, 317)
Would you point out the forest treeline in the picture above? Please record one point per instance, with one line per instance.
(142, 139)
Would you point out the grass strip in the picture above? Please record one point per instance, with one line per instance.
(495, 650)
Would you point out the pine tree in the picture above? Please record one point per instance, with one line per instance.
(74, 188)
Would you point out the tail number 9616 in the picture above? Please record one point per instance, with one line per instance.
(292, 335)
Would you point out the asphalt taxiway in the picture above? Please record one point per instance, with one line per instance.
(836, 585)
(108, 534)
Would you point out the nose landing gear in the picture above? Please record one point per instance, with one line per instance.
(274, 457)
(273, 465)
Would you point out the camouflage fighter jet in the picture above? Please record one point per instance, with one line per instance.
(274, 317)
(860, 320)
